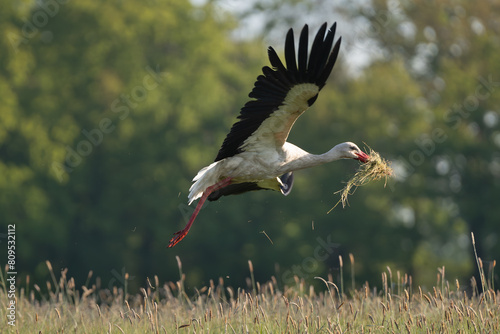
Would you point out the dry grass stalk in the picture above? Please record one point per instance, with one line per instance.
(267, 309)
(375, 168)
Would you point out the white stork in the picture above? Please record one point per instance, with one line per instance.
(255, 154)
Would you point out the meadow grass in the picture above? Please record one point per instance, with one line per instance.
(394, 307)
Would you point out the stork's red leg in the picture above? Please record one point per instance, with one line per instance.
(178, 236)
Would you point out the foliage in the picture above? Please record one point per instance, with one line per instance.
(448, 49)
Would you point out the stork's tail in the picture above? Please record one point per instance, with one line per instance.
(206, 177)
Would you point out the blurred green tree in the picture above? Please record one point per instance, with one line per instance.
(451, 50)
(107, 112)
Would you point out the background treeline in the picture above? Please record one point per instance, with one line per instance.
(108, 109)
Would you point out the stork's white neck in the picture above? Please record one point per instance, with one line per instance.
(300, 159)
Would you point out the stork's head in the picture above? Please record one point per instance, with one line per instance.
(350, 150)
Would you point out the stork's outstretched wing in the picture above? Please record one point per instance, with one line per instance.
(282, 93)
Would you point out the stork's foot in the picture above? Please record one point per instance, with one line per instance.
(178, 236)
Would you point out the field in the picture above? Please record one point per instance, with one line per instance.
(395, 307)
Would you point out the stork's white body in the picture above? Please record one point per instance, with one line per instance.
(255, 154)
(263, 167)
(258, 166)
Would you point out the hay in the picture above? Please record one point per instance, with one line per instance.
(374, 169)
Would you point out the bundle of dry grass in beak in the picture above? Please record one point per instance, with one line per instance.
(374, 168)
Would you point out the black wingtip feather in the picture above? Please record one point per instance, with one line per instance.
(275, 60)
(303, 44)
(315, 54)
(291, 62)
(329, 65)
(323, 53)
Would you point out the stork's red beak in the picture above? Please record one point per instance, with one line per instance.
(363, 157)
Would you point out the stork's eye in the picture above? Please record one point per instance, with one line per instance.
(352, 147)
